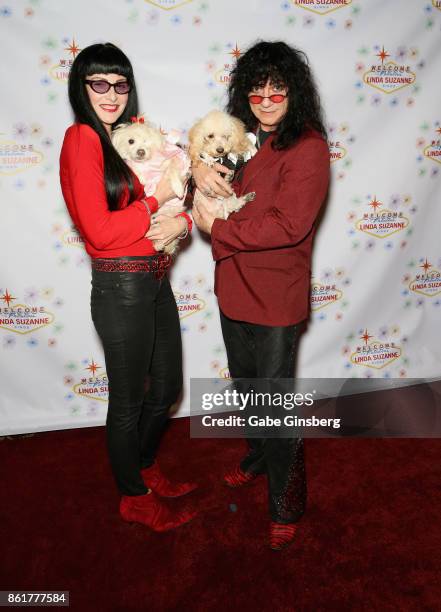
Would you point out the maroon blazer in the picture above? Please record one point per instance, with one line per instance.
(263, 252)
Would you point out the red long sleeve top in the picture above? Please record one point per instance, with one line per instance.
(106, 233)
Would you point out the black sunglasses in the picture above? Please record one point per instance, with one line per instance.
(102, 86)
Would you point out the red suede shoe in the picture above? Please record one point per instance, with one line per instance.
(281, 535)
(238, 478)
(154, 479)
(150, 511)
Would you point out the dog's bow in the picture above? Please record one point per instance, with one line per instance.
(137, 119)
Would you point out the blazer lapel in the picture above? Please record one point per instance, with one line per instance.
(256, 164)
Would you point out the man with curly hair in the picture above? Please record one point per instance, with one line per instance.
(263, 252)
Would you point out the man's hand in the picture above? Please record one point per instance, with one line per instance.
(209, 182)
(202, 214)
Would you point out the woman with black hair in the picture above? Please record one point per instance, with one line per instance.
(263, 252)
(132, 304)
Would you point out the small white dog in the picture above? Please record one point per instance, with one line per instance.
(219, 137)
(151, 155)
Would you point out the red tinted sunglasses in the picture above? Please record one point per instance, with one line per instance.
(276, 98)
(102, 87)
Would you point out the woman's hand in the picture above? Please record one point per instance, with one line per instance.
(209, 182)
(202, 215)
(164, 191)
(164, 229)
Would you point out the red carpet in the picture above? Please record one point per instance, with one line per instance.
(370, 539)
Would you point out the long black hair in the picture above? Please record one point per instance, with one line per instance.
(281, 65)
(104, 59)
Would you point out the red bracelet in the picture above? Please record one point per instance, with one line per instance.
(188, 219)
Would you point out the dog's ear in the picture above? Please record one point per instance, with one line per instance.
(241, 144)
(195, 140)
(118, 138)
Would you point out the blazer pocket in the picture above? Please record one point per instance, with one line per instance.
(270, 260)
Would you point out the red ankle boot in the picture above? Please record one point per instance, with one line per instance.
(155, 480)
(150, 511)
(238, 478)
(281, 535)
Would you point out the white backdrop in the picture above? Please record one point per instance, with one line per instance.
(376, 290)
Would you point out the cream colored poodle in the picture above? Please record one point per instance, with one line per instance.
(151, 155)
(218, 137)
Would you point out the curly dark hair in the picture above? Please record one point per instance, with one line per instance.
(281, 65)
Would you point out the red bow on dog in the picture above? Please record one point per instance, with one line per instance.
(137, 119)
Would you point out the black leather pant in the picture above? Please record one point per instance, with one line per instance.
(136, 318)
(260, 351)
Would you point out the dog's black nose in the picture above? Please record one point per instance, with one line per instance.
(140, 153)
(220, 150)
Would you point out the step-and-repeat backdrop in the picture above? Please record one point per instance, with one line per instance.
(376, 286)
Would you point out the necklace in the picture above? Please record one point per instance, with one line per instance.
(261, 137)
(259, 144)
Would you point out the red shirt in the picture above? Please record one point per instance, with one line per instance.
(106, 233)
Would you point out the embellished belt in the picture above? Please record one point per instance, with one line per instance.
(158, 264)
